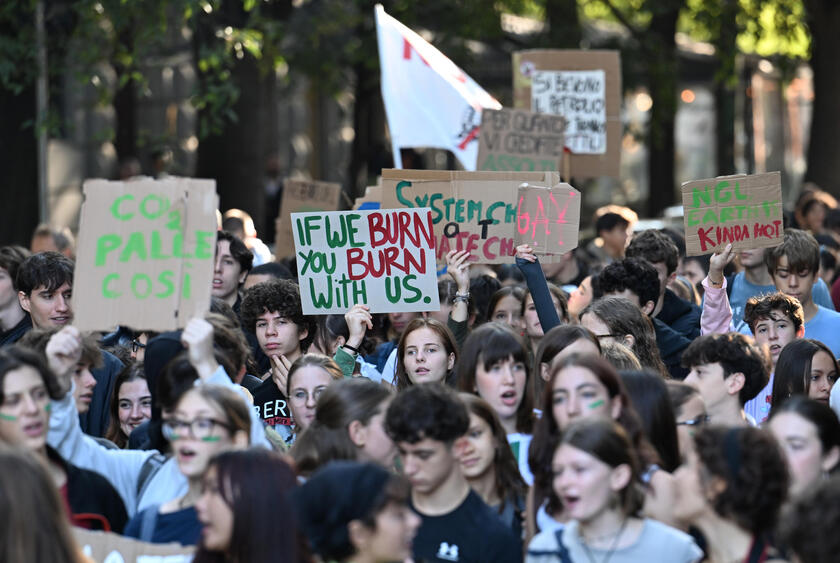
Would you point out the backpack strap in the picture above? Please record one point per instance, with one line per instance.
(562, 550)
(148, 521)
(148, 470)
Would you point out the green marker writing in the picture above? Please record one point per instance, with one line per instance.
(596, 404)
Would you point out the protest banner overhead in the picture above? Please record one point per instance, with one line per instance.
(515, 139)
(743, 210)
(145, 253)
(381, 258)
(585, 88)
(473, 211)
(548, 218)
(301, 196)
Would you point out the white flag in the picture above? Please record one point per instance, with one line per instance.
(429, 101)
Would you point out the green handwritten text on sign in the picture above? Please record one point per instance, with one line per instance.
(745, 211)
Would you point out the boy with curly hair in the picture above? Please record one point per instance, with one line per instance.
(426, 422)
(728, 370)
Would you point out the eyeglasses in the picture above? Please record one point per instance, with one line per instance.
(136, 345)
(301, 396)
(698, 421)
(200, 429)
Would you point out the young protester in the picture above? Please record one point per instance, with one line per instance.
(505, 306)
(808, 433)
(597, 475)
(494, 366)
(658, 249)
(689, 413)
(649, 396)
(272, 310)
(529, 318)
(242, 492)
(14, 322)
(396, 325)
(613, 231)
(131, 404)
(560, 342)
(620, 356)
(266, 272)
(26, 387)
(309, 377)
(142, 478)
(230, 268)
(426, 421)
(581, 296)
(618, 319)
(232, 350)
(638, 281)
(793, 266)
(728, 370)
(45, 287)
(35, 524)
(809, 525)
(207, 419)
(357, 512)
(805, 367)
(241, 225)
(489, 465)
(426, 353)
(349, 425)
(731, 489)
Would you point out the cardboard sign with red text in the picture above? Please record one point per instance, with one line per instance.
(383, 258)
(300, 196)
(548, 218)
(473, 211)
(145, 253)
(515, 139)
(743, 210)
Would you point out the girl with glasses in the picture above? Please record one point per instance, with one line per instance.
(207, 420)
(309, 376)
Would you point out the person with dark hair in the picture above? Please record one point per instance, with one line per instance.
(357, 512)
(425, 421)
(620, 356)
(805, 367)
(27, 385)
(231, 266)
(482, 288)
(658, 249)
(131, 404)
(49, 239)
(614, 230)
(597, 474)
(241, 225)
(349, 424)
(14, 322)
(494, 365)
(809, 524)
(490, 466)
(649, 397)
(266, 272)
(617, 319)
(728, 370)
(560, 342)
(241, 493)
(637, 280)
(808, 433)
(529, 317)
(426, 353)
(793, 266)
(689, 413)
(505, 305)
(272, 310)
(731, 489)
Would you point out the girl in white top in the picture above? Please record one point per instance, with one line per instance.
(596, 475)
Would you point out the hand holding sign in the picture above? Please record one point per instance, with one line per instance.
(526, 252)
(359, 321)
(718, 262)
(197, 338)
(63, 352)
(458, 268)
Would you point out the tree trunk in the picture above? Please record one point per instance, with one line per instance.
(19, 163)
(725, 82)
(125, 107)
(564, 24)
(662, 77)
(823, 149)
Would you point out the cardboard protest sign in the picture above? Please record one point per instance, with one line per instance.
(145, 253)
(743, 210)
(473, 211)
(300, 196)
(585, 88)
(372, 198)
(108, 547)
(548, 218)
(515, 139)
(382, 258)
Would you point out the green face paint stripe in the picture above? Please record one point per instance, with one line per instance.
(211, 438)
(8, 417)
(596, 404)
(48, 407)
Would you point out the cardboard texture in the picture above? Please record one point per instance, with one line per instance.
(470, 210)
(384, 259)
(145, 253)
(301, 196)
(516, 139)
(551, 74)
(372, 198)
(548, 218)
(743, 210)
(108, 547)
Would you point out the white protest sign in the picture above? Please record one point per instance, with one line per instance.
(581, 97)
(382, 258)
